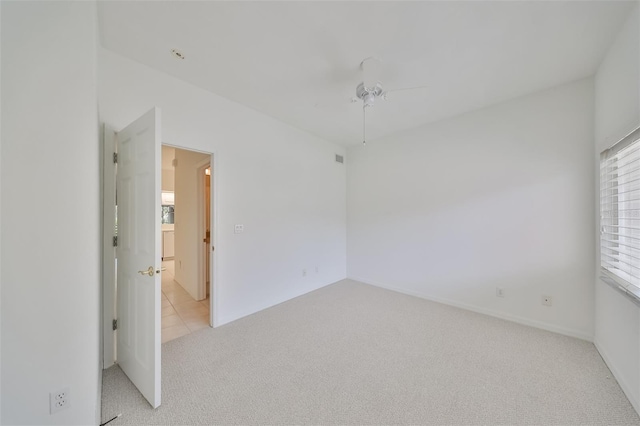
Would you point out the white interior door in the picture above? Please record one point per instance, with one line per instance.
(138, 254)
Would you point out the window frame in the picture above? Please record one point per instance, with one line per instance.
(607, 274)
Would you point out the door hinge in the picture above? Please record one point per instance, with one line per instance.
(115, 158)
(115, 241)
(114, 324)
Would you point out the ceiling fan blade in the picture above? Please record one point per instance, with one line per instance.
(370, 72)
(392, 92)
(341, 103)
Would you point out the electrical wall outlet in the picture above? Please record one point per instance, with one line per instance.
(59, 400)
(547, 300)
(499, 292)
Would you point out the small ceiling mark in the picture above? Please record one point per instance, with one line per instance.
(178, 54)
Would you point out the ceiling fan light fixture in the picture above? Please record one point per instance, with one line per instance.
(371, 89)
(367, 95)
(369, 99)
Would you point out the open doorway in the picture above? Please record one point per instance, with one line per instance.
(186, 238)
(140, 291)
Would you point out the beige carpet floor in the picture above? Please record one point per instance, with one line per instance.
(352, 354)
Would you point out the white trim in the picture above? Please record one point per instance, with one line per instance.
(214, 266)
(108, 251)
(200, 168)
(613, 138)
(514, 318)
(269, 304)
(628, 290)
(99, 397)
(624, 385)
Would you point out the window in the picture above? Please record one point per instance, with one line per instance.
(167, 214)
(168, 198)
(620, 214)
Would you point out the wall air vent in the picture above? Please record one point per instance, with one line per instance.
(339, 159)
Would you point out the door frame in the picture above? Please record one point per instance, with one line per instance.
(109, 284)
(200, 170)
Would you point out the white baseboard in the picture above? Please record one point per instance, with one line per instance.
(222, 320)
(622, 381)
(481, 310)
(194, 297)
(99, 397)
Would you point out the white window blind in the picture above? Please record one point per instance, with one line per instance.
(620, 210)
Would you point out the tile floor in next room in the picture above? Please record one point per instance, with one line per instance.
(181, 314)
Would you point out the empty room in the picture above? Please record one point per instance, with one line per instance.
(319, 212)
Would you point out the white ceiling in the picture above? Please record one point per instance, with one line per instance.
(299, 61)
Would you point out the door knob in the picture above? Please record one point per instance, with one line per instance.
(147, 272)
(159, 270)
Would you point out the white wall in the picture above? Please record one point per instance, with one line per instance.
(500, 197)
(187, 237)
(281, 183)
(51, 243)
(617, 111)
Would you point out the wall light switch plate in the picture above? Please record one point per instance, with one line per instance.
(238, 229)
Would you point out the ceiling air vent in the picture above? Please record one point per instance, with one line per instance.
(339, 159)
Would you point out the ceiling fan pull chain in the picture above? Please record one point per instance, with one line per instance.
(364, 125)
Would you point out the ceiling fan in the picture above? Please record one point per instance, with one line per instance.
(371, 89)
